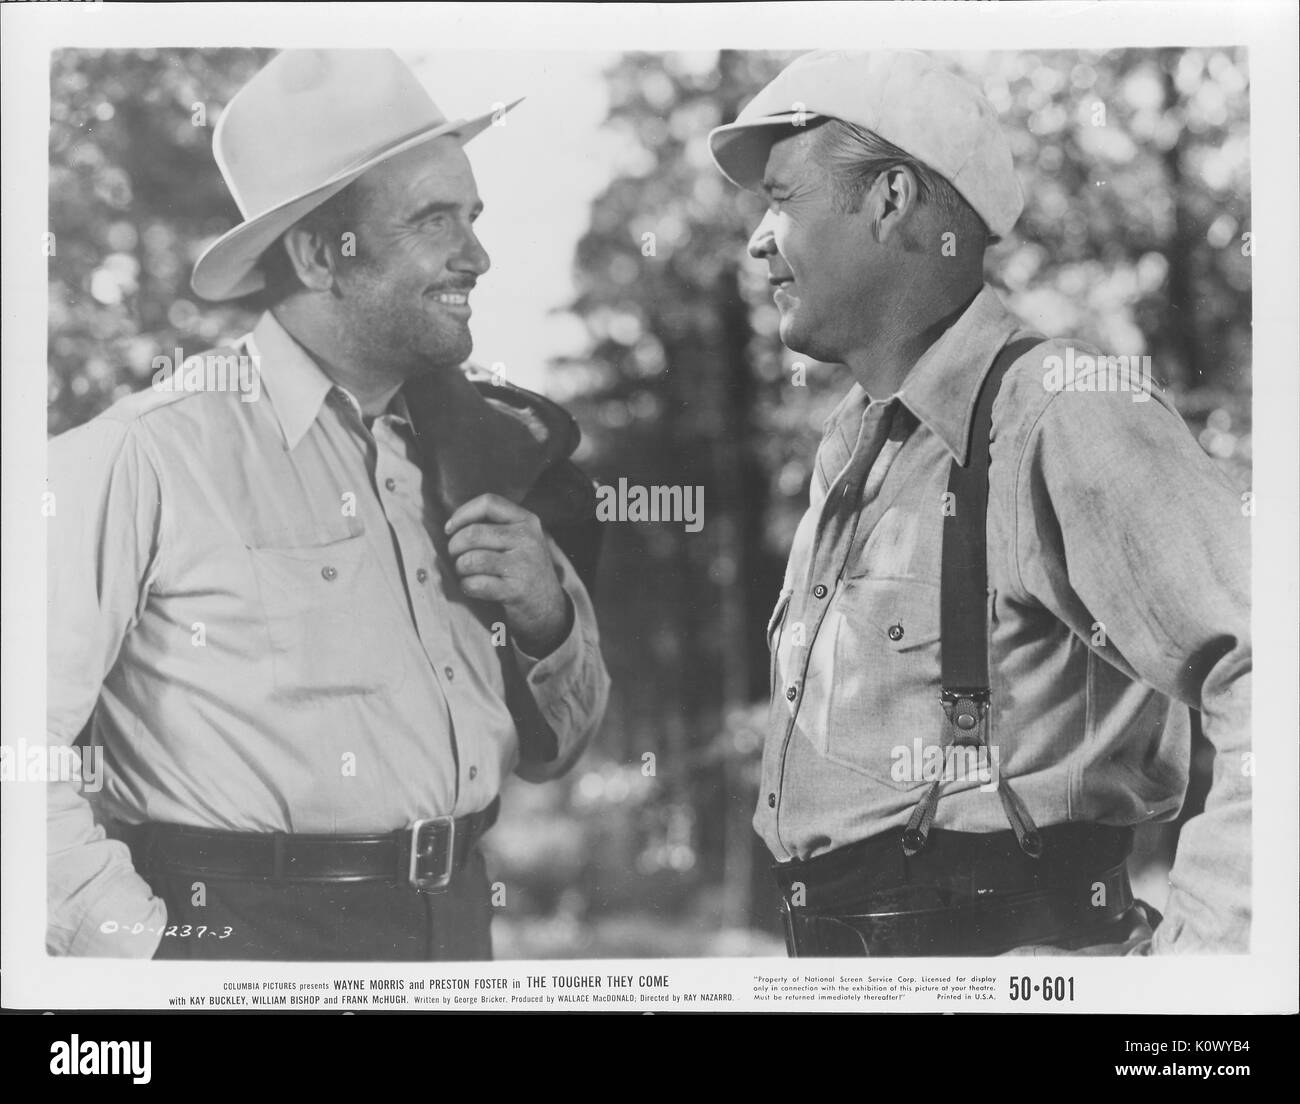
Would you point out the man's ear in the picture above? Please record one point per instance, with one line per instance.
(894, 196)
(311, 257)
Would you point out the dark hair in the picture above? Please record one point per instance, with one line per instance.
(854, 157)
(332, 219)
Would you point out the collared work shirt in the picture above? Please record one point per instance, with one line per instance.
(1118, 571)
(251, 594)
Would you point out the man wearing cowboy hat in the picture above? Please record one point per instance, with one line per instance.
(1020, 573)
(317, 621)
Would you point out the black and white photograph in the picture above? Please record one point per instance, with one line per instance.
(583, 514)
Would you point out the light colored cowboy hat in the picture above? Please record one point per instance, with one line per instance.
(904, 96)
(303, 129)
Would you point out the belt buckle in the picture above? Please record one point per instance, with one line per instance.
(427, 884)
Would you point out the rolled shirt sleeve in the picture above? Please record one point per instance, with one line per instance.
(570, 685)
(103, 549)
(1124, 525)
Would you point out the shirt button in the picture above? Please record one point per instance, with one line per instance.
(391, 484)
(895, 632)
(329, 574)
(421, 575)
(791, 693)
(451, 675)
(473, 773)
(771, 801)
(819, 591)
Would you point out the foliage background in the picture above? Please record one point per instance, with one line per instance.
(1135, 165)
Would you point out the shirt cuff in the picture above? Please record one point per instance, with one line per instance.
(540, 671)
(570, 686)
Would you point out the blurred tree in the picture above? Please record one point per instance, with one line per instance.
(134, 197)
(669, 397)
(1136, 170)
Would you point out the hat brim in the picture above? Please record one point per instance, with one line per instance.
(227, 269)
(740, 150)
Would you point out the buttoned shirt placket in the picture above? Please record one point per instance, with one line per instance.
(398, 484)
(861, 475)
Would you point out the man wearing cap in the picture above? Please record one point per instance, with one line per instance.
(1038, 581)
(317, 621)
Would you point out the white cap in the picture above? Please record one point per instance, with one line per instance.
(903, 96)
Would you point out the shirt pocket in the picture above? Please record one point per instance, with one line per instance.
(323, 608)
(885, 683)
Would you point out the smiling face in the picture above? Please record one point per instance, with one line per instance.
(828, 270)
(402, 302)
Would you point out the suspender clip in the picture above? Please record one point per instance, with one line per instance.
(966, 708)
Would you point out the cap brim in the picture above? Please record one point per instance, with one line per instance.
(227, 269)
(740, 150)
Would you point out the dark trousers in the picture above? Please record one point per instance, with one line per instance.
(210, 918)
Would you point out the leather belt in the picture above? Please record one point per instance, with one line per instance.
(425, 854)
(965, 894)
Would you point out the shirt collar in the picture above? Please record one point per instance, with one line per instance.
(398, 408)
(942, 387)
(297, 387)
(293, 381)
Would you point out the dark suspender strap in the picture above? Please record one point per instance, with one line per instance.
(963, 609)
(963, 616)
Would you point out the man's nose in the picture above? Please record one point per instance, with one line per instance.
(472, 257)
(762, 243)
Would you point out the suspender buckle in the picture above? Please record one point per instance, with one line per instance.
(966, 708)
